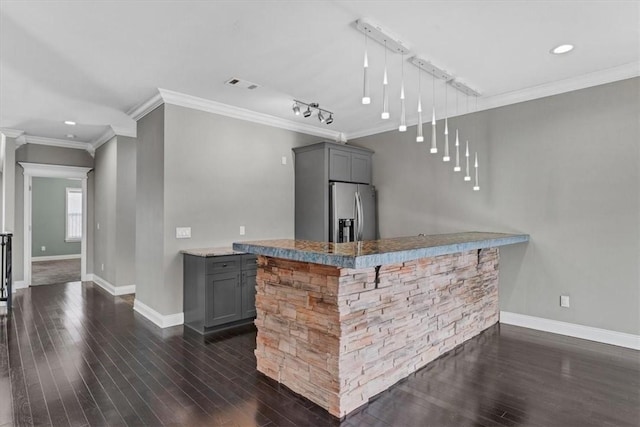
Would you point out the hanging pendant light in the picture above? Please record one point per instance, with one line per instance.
(467, 177)
(385, 83)
(419, 137)
(446, 157)
(456, 168)
(403, 123)
(477, 186)
(366, 99)
(434, 146)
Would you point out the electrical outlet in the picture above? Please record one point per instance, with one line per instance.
(44, 248)
(102, 267)
(284, 160)
(242, 230)
(183, 232)
(564, 301)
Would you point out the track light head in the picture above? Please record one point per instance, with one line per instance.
(311, 108)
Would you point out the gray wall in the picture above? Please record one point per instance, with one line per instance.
(48, 155)
(126, 212)
(8, 184)
(48, 222)
(219, 173)
(115, 204)
(104, 246)
(149, 249)
(564, 169)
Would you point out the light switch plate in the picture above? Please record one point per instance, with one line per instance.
(183, 232)
(284, 160)
(242, 230)
(564, 301)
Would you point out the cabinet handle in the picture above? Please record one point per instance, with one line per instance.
(224, 265)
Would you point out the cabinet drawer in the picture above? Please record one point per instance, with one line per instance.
(219, 264)
(249, 262)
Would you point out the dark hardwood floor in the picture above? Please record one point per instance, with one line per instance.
(71, 354)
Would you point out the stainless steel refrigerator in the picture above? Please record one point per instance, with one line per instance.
(352, 212)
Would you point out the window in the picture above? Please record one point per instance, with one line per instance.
(74, 215)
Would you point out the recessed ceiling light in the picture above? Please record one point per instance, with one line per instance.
(563, 48)
(70, 135)
(69, 122)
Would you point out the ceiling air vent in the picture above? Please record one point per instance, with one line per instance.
(241, 83)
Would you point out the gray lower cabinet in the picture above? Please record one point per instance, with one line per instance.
(219, 291)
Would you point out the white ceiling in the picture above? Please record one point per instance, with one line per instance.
(94, 61)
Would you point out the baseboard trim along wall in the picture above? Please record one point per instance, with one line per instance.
(55, 257)
(18, 284)
(605, 336)
(157, 318)
(113, 290)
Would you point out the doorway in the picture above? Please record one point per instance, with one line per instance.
(56, 230)
(56, 268)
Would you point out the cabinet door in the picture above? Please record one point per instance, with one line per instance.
(248, 294)
(339, 165)
(223, 298)
(361, 168)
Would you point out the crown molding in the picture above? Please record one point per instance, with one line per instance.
(584, 81)
(99, 141)
(54, 171)
(11, 133)
(610, 75)
(40, 140)
(141, 110)
(188, 101)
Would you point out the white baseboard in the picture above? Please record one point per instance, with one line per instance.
(55, 257)
(113, 290)
(157, 318)
(605, 336)
(18, 284)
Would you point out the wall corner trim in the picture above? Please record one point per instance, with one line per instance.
(590, 333)
(11, 133)
(141, 110)
(157, 318)
(18, 284)
(113, 290)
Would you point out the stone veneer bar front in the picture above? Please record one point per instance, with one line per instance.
(340, 323)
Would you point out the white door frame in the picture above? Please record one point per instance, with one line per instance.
(52, 171)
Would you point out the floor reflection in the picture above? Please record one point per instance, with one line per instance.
(75, 355)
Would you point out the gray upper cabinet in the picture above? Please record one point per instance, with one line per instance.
(349, 166)
(361, 168)
(316, 166)
(339, 165)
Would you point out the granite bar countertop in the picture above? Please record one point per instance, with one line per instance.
(378, 252)
(205, 252)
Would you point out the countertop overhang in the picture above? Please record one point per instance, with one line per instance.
(378, 252)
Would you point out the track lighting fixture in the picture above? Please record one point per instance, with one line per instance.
(322, 113)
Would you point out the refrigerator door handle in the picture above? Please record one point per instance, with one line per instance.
(334, 216)
(359, 216)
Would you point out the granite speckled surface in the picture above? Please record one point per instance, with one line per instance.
(205, 252)
(378, 252)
